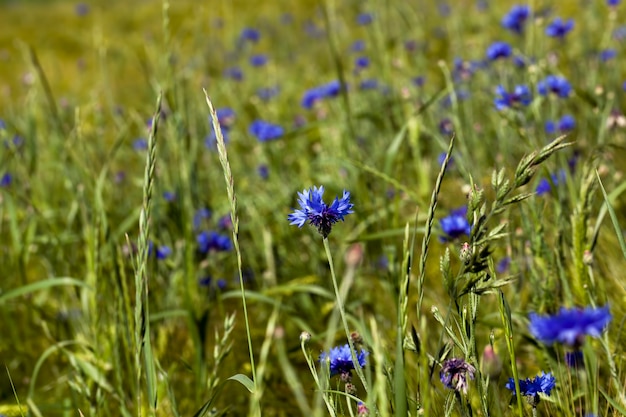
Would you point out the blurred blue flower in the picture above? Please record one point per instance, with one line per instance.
(446, 127)
(162, 252)
(265, 131)
(311, 96)
(574, 359)
(199, 216)
(209, 282)
(503, 265)
(613, 2)
(542, 383)
(455, 225)
(210, 141)
(264, 171)
(515, 19)
(558, 28)
(554, 84)
(358, 46)
(213, 241)
(6, 180)
(234, 73)
(563, 125)
(225, 222)
(250, 34)
(570, 326)
(340, 359)
(454, 374)
(519, 61)
(317, 213)
(258, 60)
(419, 81)
(499, 50)
(364, 19)
(607, 54)
(140, 144)
(3, 125)
(368, 84)
(442, 157)
(82, 9)
(544, 185)
(169, 196)
(225, 116)
(520, 95)
(362, 62)
(267, 93)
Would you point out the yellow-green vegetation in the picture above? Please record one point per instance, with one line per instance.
(154, 153)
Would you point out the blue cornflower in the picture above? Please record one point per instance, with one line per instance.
(531, 388)
(519, 61)
(613, 2)
(558, 28)
(140, 144)
(545, 186)
(364, 19)
(234, 73)
(311, 96)
(208, 241)
(368, 84)
(265, 131)
(316, 212)
(214, 284)
(6, 180)
(446, 127)
(81, 9)
(442, 157)
(454, 374)
(263, 171)
(515, 19)
(267, 93)
(225, 116)
(250, 34)
(340, 360)
(554, 84)
(570, 326)
(503, 265)
(258, 60)
(455, 225)
(199, 216)
(210, 141)
(358, 46)
(498, 50)
(362, 62)
(520, 95)
(567, 123)
(607, 54)
(161, 252)
(574, 359)
(419, 81)
(169, 196)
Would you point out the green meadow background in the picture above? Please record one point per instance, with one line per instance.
(92, 325)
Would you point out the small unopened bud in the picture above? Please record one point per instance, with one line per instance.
(588, 257)
(305, 337)
(492, 364)
(361, 410)
(350, 388)
(354, 255)
(466, 253)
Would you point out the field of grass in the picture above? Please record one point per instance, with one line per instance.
(166, 251)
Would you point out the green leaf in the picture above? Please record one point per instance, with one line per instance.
(243, 380)
(41, 285)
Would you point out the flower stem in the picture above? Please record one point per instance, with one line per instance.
(342, 313)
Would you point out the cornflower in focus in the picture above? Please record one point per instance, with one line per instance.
(531, 388)
(340, 361)
(454, 374)
(570, 326)
(317, 213)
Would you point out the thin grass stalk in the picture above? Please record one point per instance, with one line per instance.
(143, 346)
(230, 189)
(342, 313)
(430, 218)
(304, 338)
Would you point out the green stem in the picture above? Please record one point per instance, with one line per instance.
(342, 313)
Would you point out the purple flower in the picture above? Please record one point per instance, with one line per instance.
(225, 117)
(340, 360)
(361, 62)
(234, 73)
(454, 374)
(570, 326)
(558, 28)
(503, 265)
(161, 252)
(213, 241)
(264, 171)
(169, 196)
(317, 213)
(515, 19)
(6, 180)
(554, 84)
(613, 2)
(520, 95)
(455, 225)
(498, 50)
(607, 54)
(265, 131)
(358, 46)
(140, 144)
